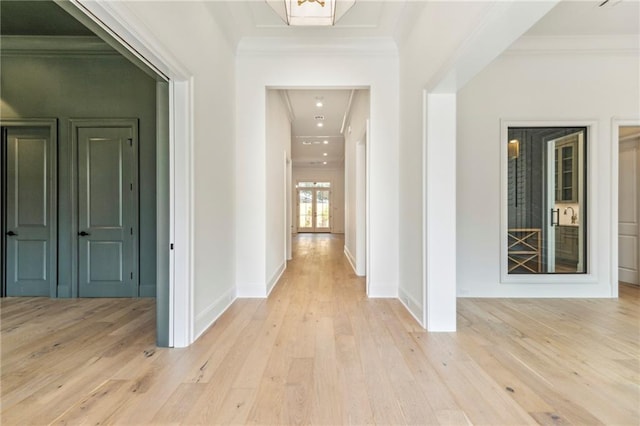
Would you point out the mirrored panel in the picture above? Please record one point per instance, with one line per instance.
(547, 200)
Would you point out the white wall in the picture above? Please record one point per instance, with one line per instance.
(346, 64)
(576, 84)
(314, 174)
(179, 28)
(278, 149)
(354, 134)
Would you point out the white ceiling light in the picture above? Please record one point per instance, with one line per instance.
(324, 154)
(324, 162)
(320, 124)
(325, 142)
(310, 12)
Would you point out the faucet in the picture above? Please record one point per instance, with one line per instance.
(574, 216)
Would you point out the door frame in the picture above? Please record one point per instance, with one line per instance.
(631, 144)
(616, 123)
(52, 125)
(74, 125)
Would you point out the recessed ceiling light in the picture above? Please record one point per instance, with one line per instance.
(324, 154)
(319, 104)
(325, 142)
(324, 162)
(306, 143)
(319, 124)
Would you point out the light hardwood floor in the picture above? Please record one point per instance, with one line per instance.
(319, 352)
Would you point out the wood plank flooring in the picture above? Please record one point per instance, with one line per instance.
(317, 351)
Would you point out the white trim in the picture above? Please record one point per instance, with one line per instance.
(181, 221)
(271, 284)
(361, 148)
(210, 314)
(620, 44)
(367, 185)
(284, 46)
(351, 259)
(55, 46)
(288, 231)
(425, 240)
(591, 276)
(412, 305)
(615, 188)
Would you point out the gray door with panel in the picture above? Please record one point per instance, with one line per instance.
(30, 211)
(107, 210)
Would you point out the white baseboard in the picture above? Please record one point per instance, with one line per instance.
(351, 259)
(276, 277)
(413, 306)
(209, 315)
(627, 276)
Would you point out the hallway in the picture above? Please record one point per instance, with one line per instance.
(317, 351)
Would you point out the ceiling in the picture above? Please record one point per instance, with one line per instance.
(312, 146)
(576, 18)
(367, 18)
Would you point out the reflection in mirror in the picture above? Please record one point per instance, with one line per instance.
(546, 200)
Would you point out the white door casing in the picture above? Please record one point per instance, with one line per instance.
(628, 226)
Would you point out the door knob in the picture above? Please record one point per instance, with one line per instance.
(555, 212)
(11, 234)
(83, 233)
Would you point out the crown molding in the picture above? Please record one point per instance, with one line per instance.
(587, 44)
(338, 46)
(54, 46)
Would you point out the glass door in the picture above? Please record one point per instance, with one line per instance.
(305, 210)
(322, 210)
(314, 207)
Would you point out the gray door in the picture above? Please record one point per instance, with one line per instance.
(107, 212)
(30, 215)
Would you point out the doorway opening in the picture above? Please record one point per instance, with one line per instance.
(629, 204)
(141, 92)
(327, 132)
